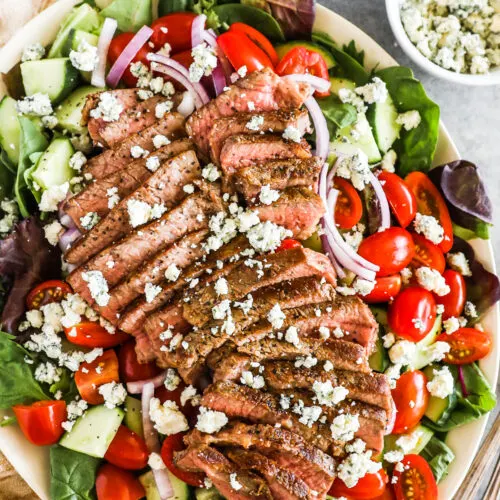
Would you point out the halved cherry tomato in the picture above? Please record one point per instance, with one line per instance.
(388, 494)
(113, 483)
(90, 334)
(385, 289)
(454, 301)
(127, 450)
(349, 208)
(41, 421)
(401, 198)
(368, 487)
(466, 345)
(258, 38)
(391, 250)
(90, 376)
(299, 60)
(416, 481)
(430, 202)
(172, 444)
(47, 292)
(241, 51)
(288, 244)
(412, 313)
(185, 58)
(174, 29)
(411, 398)
(130, 368)
(427, 254)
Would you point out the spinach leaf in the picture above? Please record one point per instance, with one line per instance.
(169, 6)
(66, 385)
(439, 456)
(6, 176)
(72, 474)
(351, 50)
(415, 148)
(17, 383)
(131, 15)
(338, 115)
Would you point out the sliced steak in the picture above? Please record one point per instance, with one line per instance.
(95, 196)
(298, 209)
(219, 470)
(144, 349)
(274, 121)
(264, 89)
(277, 267)
(277, 174)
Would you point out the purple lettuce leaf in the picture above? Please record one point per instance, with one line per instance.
(296, 17)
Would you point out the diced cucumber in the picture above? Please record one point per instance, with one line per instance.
(379, 359)
(69, 112)
(133, 415)
(382, 117)
(286, 47)
(439, 409)
(55, 77)
(93, 432)
(380, 315)
(75, 38)
(425, 435)
(340, 83)
(10, 130)
(422, 357)
(210, 494)
(314, 243)
(181, 489)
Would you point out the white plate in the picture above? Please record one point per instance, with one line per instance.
(32, 462)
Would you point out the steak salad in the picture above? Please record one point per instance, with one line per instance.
(228, 269)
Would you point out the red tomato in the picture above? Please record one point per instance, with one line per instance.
(258, 38)
(386, 288)
(454, 301)
(401, 198)
(412, 313)
(47, 292)
(90, 376)
(116, 48)
(466, 345)
(90, 334)
(416, 482)
(430, 202)
(299, 60)
(41, 421)
(113, 483)
(174, 29)
(427, 254)
(127, 450)
(349, 208)
(172, 444)
(288, 244)
(130, 368)
(411, 398)
(368, 487)
(241, 51)
(185, 58)
(391, 250)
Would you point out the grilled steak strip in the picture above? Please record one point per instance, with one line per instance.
(219, 469)
(95, 196)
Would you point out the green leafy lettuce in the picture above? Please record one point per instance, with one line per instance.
(439, 456)
(338, 115)
(131, 15)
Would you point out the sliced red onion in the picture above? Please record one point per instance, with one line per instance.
(320, 126)
(385, 211)
(186, 107)
(197, 29)
(315, 82)
(210, 37)
(138, 386)
(66, 221)
(461, 380)
(68, 238)
(219, 79)
(153, 443)
(327, 247)
(127, 55)
(107, 33)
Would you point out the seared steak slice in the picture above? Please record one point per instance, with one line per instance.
(219, 469)
(277, 267)
(95, 196)
(274, 121)
(140, 245)
(116, 159)
(144, 349)
(266, 90)
(277, 174)
(298, 209)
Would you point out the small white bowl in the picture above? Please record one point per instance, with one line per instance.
(394, 15)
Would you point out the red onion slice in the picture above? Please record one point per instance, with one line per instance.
(197, 29)
(138, 386)
(385, 211)
(68, 238)
(107, 33)
(328, 249)
(66, 220)
(187, 106)
(128, 54)
(461, 380)
(315, 82)
(320, 126)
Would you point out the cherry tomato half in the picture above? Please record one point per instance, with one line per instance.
(258, 38)
(416, 481)
(430, 202)
(427, 254)
(411, 398)
(391, 250)
(41, 421)
(385, 289)
(368, 487)
(288, 244)
(454, 301)
(130, 368)
(174, 29)
(466, 345)
(349, 208)
(90, 376)
(113, 483)
(90, 334)
(47, 292)
(401, 198)
(412, 313)
(127, 450)
(172, 444)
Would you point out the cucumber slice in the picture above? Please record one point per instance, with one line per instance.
(75, 38)
(55, 77)
(314, 243)
(425, 435)
(422, 357)
(380, 315)
(382, 117)
(69, 112)
(181, 489)
(210, 494)
(133, 415)
(10, 130)
(341, 83)
(93, 432)
(286, 47)
(439, 409)
(379, 359)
